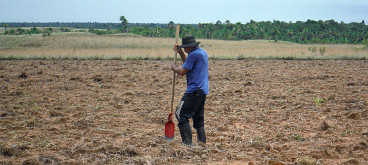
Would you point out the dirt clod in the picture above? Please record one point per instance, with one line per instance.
(23, 75)
(7, 152)
(324, 126)
(354, 116)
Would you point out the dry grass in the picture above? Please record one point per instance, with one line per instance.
(269, 49)
(124, 46)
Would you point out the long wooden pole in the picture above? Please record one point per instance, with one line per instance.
(174, 75)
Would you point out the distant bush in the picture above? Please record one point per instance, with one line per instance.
(64, 29)
(21, 31)
(322, 50)
(100, 32)
(365, 42)
(46, 32)
(312, 49)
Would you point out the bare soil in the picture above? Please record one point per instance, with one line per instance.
(113, 112)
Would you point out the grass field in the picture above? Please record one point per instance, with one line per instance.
(127, 46)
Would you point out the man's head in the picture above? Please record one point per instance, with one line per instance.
(189, 42)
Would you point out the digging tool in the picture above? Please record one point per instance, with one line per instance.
(170, 126)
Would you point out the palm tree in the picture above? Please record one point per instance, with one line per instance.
(124, 23)
(171, 25)
(228, 24)
(123, 20)
(5, 25)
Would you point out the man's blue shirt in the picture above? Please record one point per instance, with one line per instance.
(197, 76)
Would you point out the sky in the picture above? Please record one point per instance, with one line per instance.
(184, 12)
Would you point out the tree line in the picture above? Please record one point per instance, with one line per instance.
(299, 32)
(310, 31)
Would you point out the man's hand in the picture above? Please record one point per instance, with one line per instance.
(177, 49)
(179, 70)
(173, 67)
(181, 52)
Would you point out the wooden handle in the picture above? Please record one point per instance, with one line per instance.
(174, 75)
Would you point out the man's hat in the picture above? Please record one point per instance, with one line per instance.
(189, 41)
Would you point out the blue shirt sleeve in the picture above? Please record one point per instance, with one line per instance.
(189, 62)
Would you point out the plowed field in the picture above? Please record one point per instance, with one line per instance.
(113, 112)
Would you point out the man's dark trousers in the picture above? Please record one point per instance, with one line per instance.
(191, 106)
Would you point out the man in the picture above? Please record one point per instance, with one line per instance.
(195, 68)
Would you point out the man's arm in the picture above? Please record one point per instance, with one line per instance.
(183, 57)
(180, 70)
(181, 53)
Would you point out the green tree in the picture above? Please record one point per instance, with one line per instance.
(365, 42)
(46, 32)
(90, 28)
(218, 25)
(123, 20)
(124, 23)
(171, 25)
(228, 24)
(6, 26)
(34, 30)
(20, 31)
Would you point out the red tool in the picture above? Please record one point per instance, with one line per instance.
(170, 126)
